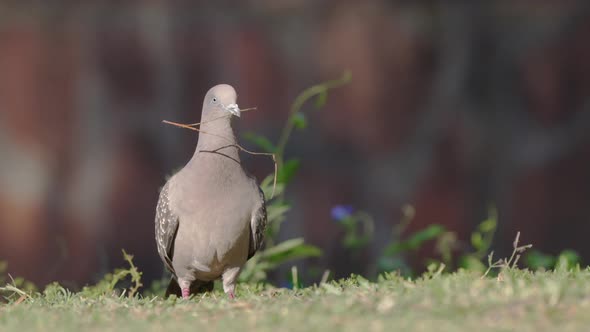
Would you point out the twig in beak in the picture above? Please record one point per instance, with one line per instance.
(272, 155)
(181, 125)
(221, 117)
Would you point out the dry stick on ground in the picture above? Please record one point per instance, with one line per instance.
(507, 263)
(272, 155)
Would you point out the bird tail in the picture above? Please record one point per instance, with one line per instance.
(197, 287)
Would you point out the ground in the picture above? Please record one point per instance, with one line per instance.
(516, 301)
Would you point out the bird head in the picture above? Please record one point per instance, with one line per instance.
(219, 100)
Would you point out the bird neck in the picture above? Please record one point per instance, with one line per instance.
(218, 137)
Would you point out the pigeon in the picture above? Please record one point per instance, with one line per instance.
(211, 215)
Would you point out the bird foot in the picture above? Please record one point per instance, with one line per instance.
(232, 296)
(185, 293)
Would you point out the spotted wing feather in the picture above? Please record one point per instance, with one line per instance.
(166, 228)
(258, 226)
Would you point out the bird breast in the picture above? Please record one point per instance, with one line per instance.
(214, 219)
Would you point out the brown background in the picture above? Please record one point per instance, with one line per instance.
(451, 108)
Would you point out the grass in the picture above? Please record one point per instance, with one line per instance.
(462, 301)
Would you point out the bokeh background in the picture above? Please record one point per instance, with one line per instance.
(451, 108)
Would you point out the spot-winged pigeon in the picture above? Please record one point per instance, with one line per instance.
(211, 215)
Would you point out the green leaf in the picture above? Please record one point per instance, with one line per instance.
(395, 248)
(290, 250)
(284, 246)
(260, 141)
(488, 225)
(276, 212)
(567, 260)
(476, 240)
(471, 263)
(299, 120)
(288, 170)
(267, 186)
(426, 234)
(254, 270)
(299, 252)
(354, 242)
(415, 241)
(536, 260)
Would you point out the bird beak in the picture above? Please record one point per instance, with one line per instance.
(233, 109)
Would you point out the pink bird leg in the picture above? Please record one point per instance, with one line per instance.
(185, 293)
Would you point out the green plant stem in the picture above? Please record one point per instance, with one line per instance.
(301, 99)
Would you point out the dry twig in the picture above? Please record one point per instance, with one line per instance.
(507, 263)
(192, 126)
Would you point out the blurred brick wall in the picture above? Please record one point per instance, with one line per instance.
(450, 108)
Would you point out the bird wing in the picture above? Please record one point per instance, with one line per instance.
(257, 225)
(166, 228)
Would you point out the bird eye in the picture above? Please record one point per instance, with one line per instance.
(214, 100)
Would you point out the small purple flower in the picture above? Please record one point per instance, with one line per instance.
(341, 212)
